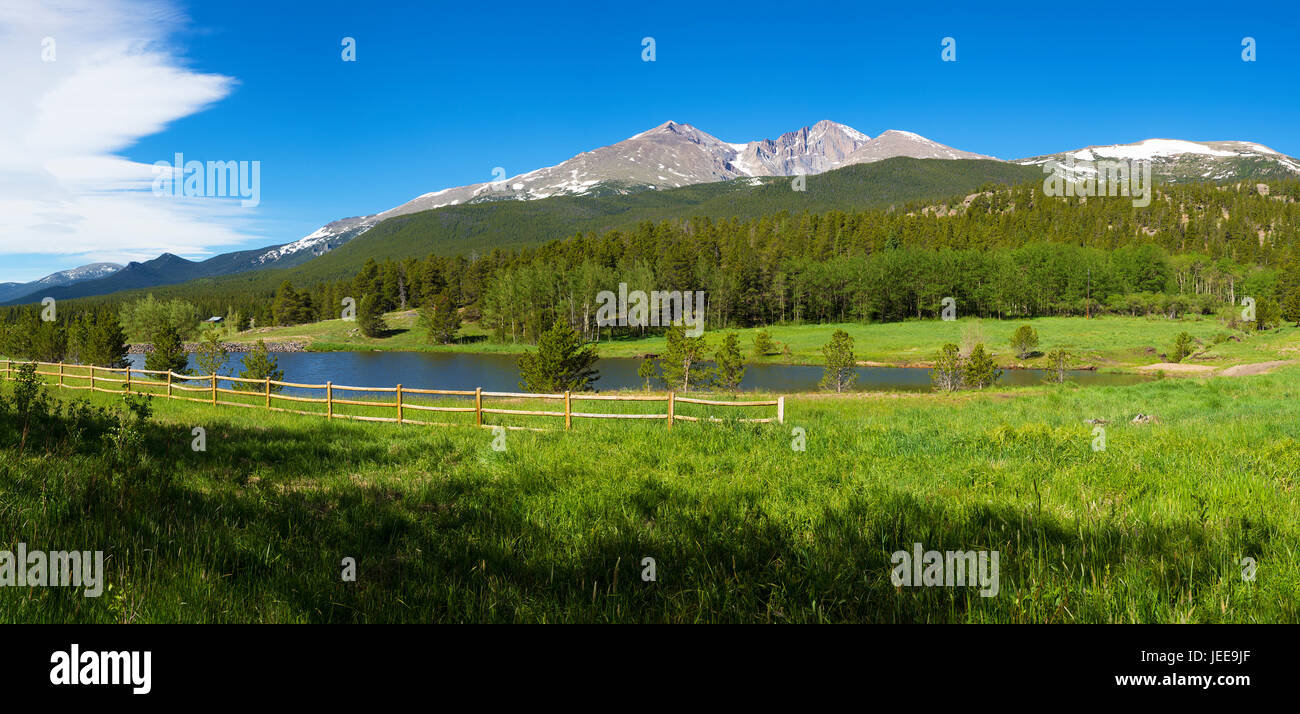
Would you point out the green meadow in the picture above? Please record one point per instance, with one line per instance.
(741, 526)
(1104, 342)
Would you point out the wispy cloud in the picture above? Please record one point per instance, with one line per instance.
(65, 189)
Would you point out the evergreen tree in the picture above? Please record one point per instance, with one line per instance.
(561, 363)
(101, 341)
(646, 371)
(370, 316)
(168, 353)
(1183, 347)
(840, 373)
(730, 365)
(1056, 365)
(979, 369)
(1024, 341)
(763, 344)
(441, 319)
(947, 372)
(681, 356)
(211, 354)
(259, 364)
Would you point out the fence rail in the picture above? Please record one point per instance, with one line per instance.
(154, 380)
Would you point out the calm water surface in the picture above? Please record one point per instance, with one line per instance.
(497, 372)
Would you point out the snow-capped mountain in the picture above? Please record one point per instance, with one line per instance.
(668, 156)
(63, 277)
(904, 143)
(1178, 160)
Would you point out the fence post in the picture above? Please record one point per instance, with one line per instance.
(268, 392)
(329, 400)
(568, 413)
(92, 377)
(60, 374)
(169, 383)
(780, 410)
(670, 409)
(399, 404)
(127, 387)
(214, 389)
(8, 368)
(478, 406)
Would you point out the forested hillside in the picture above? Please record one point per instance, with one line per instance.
(1004, 252)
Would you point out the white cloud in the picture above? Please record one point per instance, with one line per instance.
(64, 187)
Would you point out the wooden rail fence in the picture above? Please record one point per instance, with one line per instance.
(212, 393)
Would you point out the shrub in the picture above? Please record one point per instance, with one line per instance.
(259, 364)
(840, 373)
(168, 352)
(681, 356)
(1024, 341)
(947, 372)
(1182, 347)
(561, 363)
(980, 370)
(763, 344)
(730, 365)
(1056, 365)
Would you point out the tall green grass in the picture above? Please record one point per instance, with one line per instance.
(742, 527)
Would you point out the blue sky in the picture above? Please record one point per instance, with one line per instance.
(443, 92)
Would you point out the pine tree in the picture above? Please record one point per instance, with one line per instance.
(840, 373)
(763, 343)
(168, 353)
(259, 364)
(1024, 341)
(211, 354)
(979, 370)
(440, 317)
(645, 371)
(370, 316)
(681, 356)
(947, 371)
(562, 363)
(730, 365)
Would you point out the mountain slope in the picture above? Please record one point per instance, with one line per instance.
(671, 155)
(166, 269)
(1176, 160)
(91, 271)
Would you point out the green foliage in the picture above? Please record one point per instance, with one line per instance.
(260, 364)
(370, 316)
(979, 369)
(1268, 314)
(1024, 341)
(98, 339)
(1057, 363)
(729, 363)
(763, 344)
(1290, 308)
(211, 354)
(144, 319)
(840, 373)
(947, 372)
(561, 363)
(1183, 347)
(292, 307)
(168, 352)
(678, 367)
(646, 371)
(441, 319)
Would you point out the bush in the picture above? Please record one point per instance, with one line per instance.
(947, 372)
(1182, 347)
(980, 370)
(259, 364)
(1056, 365)
(1024, 341)
(840, 373)
(561, 363)
(763, 344)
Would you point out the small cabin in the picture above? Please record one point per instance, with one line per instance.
(215, 319)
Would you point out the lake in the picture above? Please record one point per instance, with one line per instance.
(499, 373)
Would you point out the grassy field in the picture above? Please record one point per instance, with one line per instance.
(1107, 342)
(742, 527)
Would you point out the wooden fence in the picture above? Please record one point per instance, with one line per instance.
(262, 387)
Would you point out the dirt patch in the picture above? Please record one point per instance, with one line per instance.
(1246, 370)
(1177, 368)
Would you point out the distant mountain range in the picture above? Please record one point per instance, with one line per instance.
(670, 156)
(9, 291)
